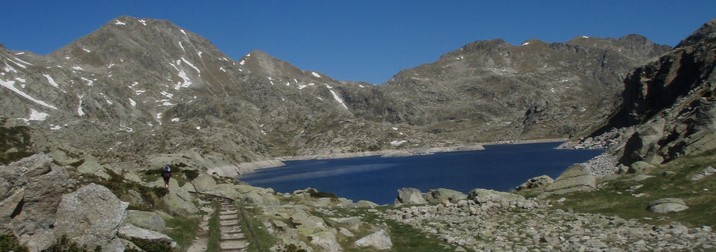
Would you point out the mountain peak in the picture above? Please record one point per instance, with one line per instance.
(706, 31)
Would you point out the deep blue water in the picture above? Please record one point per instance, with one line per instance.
(498, 167)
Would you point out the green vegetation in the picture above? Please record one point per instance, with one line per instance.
(64, 244)
(628, 198)
(120, 187)
(259, 239)
(214, 230)
(15, 143)
(182, 229)
(8, 242)
(404, 237)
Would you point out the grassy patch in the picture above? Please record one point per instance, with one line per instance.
(628, 198)
(259, 239)
(183, 230)
(214, 230)
(404, 237)
(8, 242)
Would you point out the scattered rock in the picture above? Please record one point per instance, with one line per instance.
(667, 205)
(484, 195)
(379, 240)
(204, 183)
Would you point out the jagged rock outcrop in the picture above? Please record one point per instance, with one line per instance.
(668, 105)
(92, 216)
(379, 240)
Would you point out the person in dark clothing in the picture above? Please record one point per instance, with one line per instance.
(166, 174)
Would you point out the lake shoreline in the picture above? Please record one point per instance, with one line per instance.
(251, 167)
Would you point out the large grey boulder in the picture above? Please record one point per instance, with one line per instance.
(204, 183)
(133, 233)
(30, 192)
(149, 220)
(92, 216)
(326, 240)
(179, 200)
(708, 171)
(379, 240)
(410, 196)
(667, 205)
(442, 195)
(91, 166)
(575, 179)
(640, 167)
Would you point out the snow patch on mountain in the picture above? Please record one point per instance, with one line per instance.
(338, 99)
(80, 112)
(185, 84)
(191, 65)
(11, 85)
(316, 74)
(37, 116)
(117, 22)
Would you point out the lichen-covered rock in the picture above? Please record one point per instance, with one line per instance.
(92, 216)
(484, 195)
(204, 183)
(536, 182)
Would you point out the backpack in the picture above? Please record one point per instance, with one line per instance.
(166, 169)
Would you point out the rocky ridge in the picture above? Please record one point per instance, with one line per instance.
(138, 89)
(668, 106)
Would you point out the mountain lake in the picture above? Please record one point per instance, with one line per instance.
(377, 179)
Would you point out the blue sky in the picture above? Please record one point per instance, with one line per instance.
(367, 40)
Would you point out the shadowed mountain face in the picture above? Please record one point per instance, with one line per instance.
(140, 87)
(668, 105)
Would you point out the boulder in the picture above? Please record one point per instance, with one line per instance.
(225, 190)
(640, 167)
(91, 166)
(379, 240)
(204, 183)
(708, 171)
(133, 234)
(326, 240)
(667, 205)
(92, 216)
(536, 182)
(441, 195)
(575, 179)
(484, 195)
(42, 184)
(410, 196)
(132, 177)
(149, 220)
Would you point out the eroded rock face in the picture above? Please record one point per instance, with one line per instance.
(92, 216)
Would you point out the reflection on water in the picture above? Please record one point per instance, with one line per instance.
(341, 170)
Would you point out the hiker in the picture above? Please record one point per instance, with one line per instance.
(166, 174)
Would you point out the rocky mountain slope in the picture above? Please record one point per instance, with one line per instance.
(138, 88)
(491, 90)
(668, 105)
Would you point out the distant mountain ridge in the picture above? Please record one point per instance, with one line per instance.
(137, 88)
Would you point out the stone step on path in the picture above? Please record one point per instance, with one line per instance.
(232, 237)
